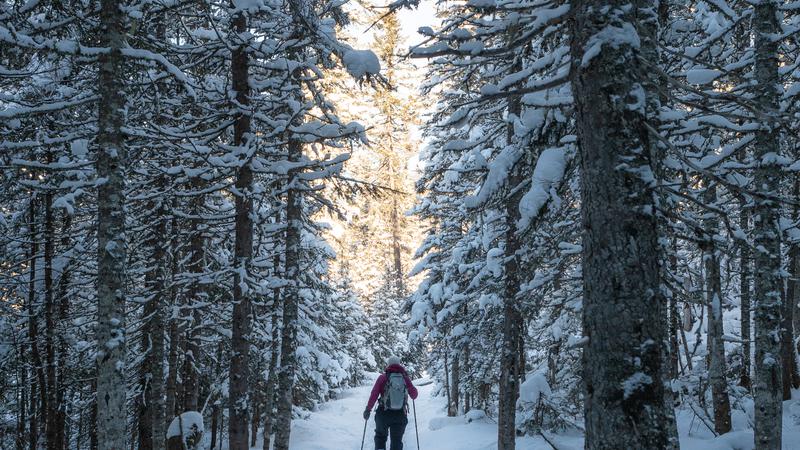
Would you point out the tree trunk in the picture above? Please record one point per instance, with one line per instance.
(717, 367)
(688, 317)
(768, 389)
(214, 424)
(240, 339)
(454, 384)
(152, 417)
(791, 378)
(793, 298)
(51, 412)
(216, 416)
(22, 386)
(37, 386)
(624, 373)
(93, 444)
(467, 370)
(111, 244)
(794, 273)
(256, 421)
(510, 365)
(294, 220)
(674, 329)
(446, 364)
(272, 378)
(173, 358)
(61, 438)
(194, 297)
(744, 297)
(397, 250)
(171, 389)
(788, 358)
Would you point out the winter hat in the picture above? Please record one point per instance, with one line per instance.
(393, 360)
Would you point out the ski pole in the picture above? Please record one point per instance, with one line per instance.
(416, 430)
(364, 435)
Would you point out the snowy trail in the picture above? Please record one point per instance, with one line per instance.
(338, 425)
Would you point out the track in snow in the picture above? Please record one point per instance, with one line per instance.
(338, 425)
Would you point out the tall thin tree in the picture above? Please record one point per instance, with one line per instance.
(111, 243)
(240, 341)
(767, 285)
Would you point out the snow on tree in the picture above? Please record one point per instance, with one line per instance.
(203, 211)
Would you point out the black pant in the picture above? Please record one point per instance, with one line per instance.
(389, 423)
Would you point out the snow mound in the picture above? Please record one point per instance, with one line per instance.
(534, 387)
(474, 415)
(361, 62)
(437, 423)
(186, 424)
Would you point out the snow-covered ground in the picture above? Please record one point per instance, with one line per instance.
(338, 425)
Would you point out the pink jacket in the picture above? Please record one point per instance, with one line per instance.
(380, 383)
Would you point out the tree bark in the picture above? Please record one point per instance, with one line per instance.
(61, 437)
(397, 250)
(674, 329)
(794, 260)
(111, 244)
(467, 389)
(768, 389)
(793, 298)
(794, 271)
(216, 410)
(510, 361)
(38, 392)
(446, 365)
(744, 298)
(22, 387)
(717, 367)
(294, 223)
(788, 355)
(256, 418)
(272, 378)
(455, 377)
(171, 387)
(38, 382)
(624, 375)
(93, 444)
(194, 297)
(791, 378)
(152, 411)
(240, 339)
(51, 412)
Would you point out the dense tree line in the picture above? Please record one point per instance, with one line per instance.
(609, 190)
(163, 164)
(610, 186)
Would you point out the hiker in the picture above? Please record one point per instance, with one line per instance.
(391, 390)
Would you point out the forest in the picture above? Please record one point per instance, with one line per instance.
(575, 222)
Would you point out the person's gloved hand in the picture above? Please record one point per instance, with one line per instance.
(366, 414)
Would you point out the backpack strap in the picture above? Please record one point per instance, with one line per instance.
(382, 397)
